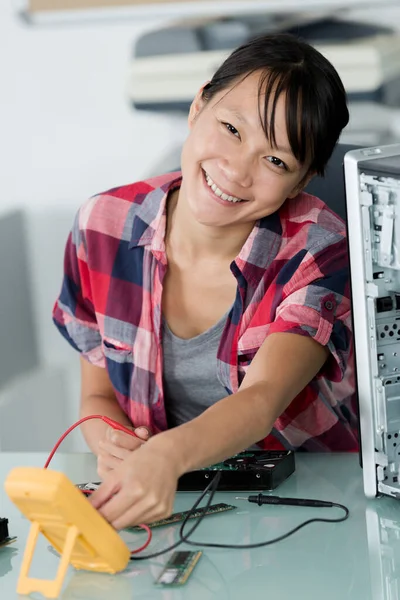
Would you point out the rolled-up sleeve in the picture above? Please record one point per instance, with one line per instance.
(74, 313)
(316, 302)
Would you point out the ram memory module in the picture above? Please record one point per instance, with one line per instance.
(180, 516)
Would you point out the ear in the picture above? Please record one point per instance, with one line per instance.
(197, 106)
(301, 185)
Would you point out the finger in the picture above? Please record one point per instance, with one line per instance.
(102, 471)
(111, 432)
(106, 461)
(128, 508)
(142, 513)
(113, 450)
(124, 440)
(123, 499)
(125, 511)
(143, 432)
(105, 491)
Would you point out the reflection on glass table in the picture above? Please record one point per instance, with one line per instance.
(7, 552)
(383, 531)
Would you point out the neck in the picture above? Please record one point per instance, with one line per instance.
(197, 241)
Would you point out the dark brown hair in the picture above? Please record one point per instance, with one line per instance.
(316, 104)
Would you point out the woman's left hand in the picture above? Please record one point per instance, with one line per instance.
(117, 446)
(140, 490)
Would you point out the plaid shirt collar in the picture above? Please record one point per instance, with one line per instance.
(149, 226)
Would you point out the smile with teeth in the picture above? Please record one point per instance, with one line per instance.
(219, 192)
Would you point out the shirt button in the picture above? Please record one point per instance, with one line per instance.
(329, 305)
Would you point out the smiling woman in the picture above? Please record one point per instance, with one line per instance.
(312, 122)
(232, 153)
(211, 306)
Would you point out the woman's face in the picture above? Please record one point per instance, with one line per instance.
(231, 172)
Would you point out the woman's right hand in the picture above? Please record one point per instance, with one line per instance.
(118, 445)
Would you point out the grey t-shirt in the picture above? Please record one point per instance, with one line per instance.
(190, 373)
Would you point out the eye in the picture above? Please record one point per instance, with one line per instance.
(277, 162)
(231, 129)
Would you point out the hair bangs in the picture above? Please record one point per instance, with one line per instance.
(316, 102)
(301, 111)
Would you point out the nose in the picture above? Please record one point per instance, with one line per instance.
(238, 169)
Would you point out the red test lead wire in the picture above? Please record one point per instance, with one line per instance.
(107, 420)
(147, 542)
(114, 425)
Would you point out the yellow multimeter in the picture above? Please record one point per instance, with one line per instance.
(65, 517)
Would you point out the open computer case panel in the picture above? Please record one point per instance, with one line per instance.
(372, 177)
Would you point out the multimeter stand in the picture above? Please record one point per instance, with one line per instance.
(62, 514)
(50, 589)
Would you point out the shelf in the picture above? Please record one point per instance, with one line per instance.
(57, 11)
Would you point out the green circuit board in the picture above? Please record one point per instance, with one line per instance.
(180, 516)
(178, 568)
(229, 465)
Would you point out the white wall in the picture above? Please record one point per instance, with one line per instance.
(378, 13)
(66, 132)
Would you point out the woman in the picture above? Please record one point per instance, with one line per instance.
(211, 307)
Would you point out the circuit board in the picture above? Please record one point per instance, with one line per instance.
(237, 462)
(180, 516)
(260, 470)
(178, 568)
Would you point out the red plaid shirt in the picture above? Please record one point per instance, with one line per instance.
(292, 276)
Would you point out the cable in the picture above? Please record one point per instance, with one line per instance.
(147, 542)
(260, 498)
(211, 486)
(115, 425)
(107, 420)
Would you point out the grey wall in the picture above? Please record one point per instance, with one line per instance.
(39, 372)
(18, 344)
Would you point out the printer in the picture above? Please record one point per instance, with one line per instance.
(169, 65)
